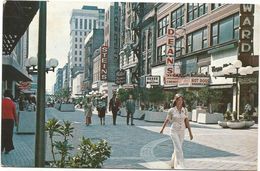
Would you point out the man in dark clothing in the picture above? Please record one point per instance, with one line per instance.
(114, 105)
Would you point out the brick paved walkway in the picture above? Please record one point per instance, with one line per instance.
(142, 147)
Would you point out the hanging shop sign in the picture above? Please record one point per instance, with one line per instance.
(120, 77)
(103, 67)
(246, 32)
(193, 81)
(170, 79)
(153, 80)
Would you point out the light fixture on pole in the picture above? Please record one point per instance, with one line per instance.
(31, 65)
(236, 70)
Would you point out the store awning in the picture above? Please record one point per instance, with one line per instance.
(17, 16)
(11, 72)
(222, 86)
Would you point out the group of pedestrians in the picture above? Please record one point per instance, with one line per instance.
(114, 106)
(177, 117)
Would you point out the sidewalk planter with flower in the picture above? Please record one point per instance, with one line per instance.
(245, 121)
(227, 117)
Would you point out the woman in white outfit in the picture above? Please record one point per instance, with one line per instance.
(177, 116)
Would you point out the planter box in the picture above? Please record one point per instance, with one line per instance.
(210, 118)
(123, 111)
(190, 116)
(57, 106)
(155, 116)
(195, 113)
(26, 122)
(139, 114)
(67, 108)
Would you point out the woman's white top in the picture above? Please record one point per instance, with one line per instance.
(177, 118)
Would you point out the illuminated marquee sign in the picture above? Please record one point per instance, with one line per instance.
(103, 66)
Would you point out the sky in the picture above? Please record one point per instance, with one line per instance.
(58, 29)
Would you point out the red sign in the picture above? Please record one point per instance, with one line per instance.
(24, 85)
(103, 67)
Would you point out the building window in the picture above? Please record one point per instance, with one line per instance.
(95, 24)
(149, 39)
(215, 6)
(80, 23)
(76, 58)
(196, 10)
(161, 53)
(76, 39)
(80, 46)
(80, 59)
(80, 53)
(179, 49)
(225, 30)
(75, 52)
(80, 33)
(80, 39)
(80, 65)
(76, 33)
(76, 23)
(90, 25)
(197, 40)
(85, 23)
(177, 17)
(76, 46)
(162, 26)
(75, 64)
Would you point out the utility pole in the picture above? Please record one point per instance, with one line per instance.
(40, 111)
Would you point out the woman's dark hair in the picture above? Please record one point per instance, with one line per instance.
(174, 102)
(8, 93)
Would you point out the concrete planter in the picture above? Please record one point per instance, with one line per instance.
(223, 124)
(26, 122)
(209, 118)
(67, 107)
(195, 113)
(155, 116)
(236, 125)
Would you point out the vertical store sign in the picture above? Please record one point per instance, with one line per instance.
(103, 66)
(246, 32)
(170, 77)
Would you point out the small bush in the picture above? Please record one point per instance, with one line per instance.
(89, 155)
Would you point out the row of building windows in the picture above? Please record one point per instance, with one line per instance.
(194, 11)
(76, 59)
(81, 33)
(80, 46)
(87, 24)
(222, 31)
(76, 52)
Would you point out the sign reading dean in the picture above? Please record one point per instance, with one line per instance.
(103, 65)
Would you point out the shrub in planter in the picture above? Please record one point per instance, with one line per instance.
(90, 155)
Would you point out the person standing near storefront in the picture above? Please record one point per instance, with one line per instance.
(114, 105)
(177, 116)
(8, 120)
(130, 109)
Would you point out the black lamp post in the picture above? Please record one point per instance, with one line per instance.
(236, 71)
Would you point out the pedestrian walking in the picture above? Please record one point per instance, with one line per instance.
(177, 116)
(130, 109)
(8, 120)
(88, 111)
(101, 108)
(114, 105)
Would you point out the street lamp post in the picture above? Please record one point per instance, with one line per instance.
(236, 71)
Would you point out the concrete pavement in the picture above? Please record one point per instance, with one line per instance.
(142, 147)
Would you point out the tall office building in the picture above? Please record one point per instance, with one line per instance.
(81, 23)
